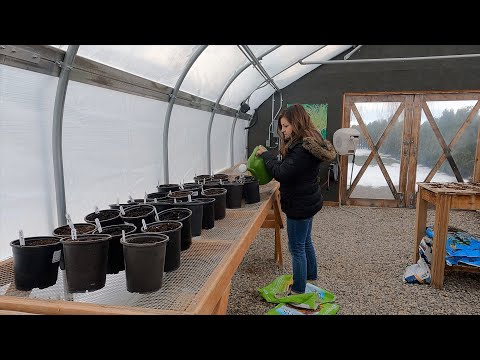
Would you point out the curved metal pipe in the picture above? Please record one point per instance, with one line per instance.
(232, 132)
(227, 85)
(415, 58)
(173, 96)
(66, 66)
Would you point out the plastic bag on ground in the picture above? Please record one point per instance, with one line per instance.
(277, 292)
(285, 309)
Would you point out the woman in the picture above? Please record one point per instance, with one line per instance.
(302, 149)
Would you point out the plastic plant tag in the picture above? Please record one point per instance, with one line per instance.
(130, 198)
(74, 234)
(145, 198)
(156, 214)
(56, 256)
(144, 224)
(123, 235)
(69, 220)
(174, 200)
(221, 182)
(121, 210)
(21, 238)
(190, 198)
(181, 186)
(97, 210)
(155, 200)
(99, 227)
(118, 201)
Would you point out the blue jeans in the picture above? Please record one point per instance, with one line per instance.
(304, 261)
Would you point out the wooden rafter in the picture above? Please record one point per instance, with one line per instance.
(446, 149)
(374, 151)
(380, 141)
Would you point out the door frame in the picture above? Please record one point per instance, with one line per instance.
(412, 104)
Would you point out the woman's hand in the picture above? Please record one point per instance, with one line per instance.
(260, 150)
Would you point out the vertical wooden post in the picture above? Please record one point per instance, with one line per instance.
(476, 166)
(440, 231)
(420, 223)
(221, 307)
(278, 225)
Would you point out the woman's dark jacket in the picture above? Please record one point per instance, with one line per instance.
(300, 193)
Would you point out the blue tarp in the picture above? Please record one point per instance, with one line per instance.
(461, 247)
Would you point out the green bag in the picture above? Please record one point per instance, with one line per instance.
(277, 292)
(256, 166)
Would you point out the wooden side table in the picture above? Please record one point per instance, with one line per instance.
(445, 196)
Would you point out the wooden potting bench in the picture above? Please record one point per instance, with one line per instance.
(201, 285)
(445, 196)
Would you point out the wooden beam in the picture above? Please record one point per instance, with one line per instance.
(373, 202)
(413, 151)
(420, 222)
(476, 166)
(442, 210)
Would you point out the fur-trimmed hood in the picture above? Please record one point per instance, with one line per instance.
(322, 149)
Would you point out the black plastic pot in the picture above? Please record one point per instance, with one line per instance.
(183, 215)
(212, 184)
(180, 195)
(144, 261)
(86, 262)
(251, 192)
(115, 262)
(234, 194)
(195, 206)
(124, 205)
(157, 195)
(82, 228)
(35, 264)
(208, 217)
(106, 217)
(196, 189)
(201, 179)
(173, 230)
(135, 214)
(166, 188)
(220, 195)
(223, 177)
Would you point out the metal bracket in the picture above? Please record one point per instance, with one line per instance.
(171, 96)
(62, 65)
(20, 54)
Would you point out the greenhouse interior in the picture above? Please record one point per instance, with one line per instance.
(179, 179)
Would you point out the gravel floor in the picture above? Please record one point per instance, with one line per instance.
(362, 254)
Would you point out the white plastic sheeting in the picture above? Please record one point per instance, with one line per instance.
(187, 145)
(27, 190)
(240, 142)
(221, 129)
(214, 67)
(295, 72)
(112, 147)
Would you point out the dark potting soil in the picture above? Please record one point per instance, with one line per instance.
(220, 176)
(214, 191)
(103, 215)
(162, 227)
(41, 242)
(173, 215)
(142, 240)
(141, 211)
(178, 194)
(117, 230)
(81, 229)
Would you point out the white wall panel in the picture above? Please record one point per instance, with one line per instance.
(112, 147)
(187, 146)
(27, 192)
(221, 129)
(239, 142)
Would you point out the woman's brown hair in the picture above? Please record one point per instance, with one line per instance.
(302, 126)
